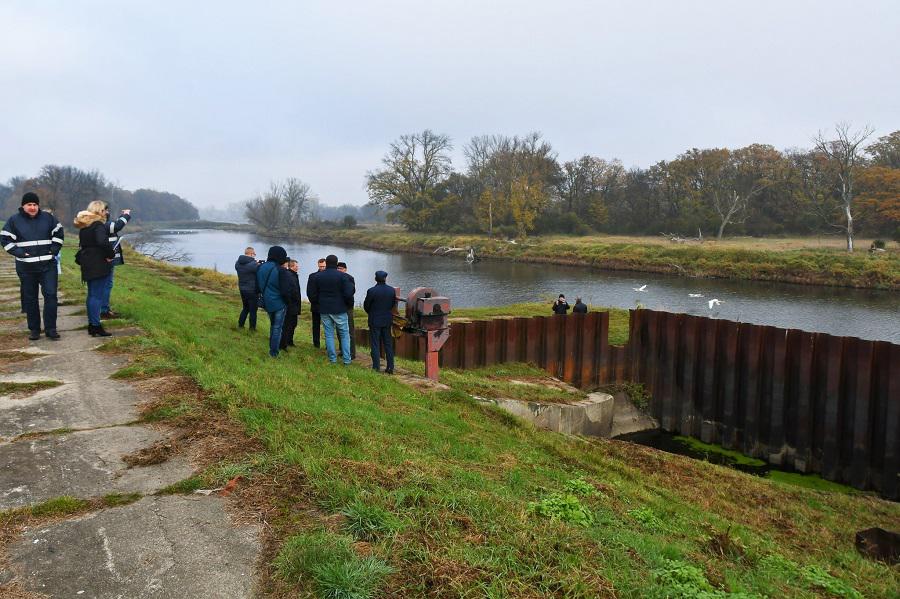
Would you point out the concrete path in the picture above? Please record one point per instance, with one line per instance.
(71, 440)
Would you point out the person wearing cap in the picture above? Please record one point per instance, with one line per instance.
(379, 305)
(273, 284)
(332, 291)
(34, 237)
(560, 306)
(342, 267)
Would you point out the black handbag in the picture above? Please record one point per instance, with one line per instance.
(261, 298)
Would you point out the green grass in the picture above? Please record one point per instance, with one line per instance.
(735, 457)
(765, 260)
(59, 506)
(442, 485)
(497, 382)
(25, 389)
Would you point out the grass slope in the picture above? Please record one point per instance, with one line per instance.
(429, 494)
(764, 260)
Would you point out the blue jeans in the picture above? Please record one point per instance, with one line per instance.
(96, 289)
(47, 280)
(104, 303)
(378, 337)
(276, 321)
(337, 321)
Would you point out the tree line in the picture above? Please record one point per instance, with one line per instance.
(290, 204)
(66, 189)
(516, 186)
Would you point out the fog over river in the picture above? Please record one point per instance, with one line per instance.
(869, 314)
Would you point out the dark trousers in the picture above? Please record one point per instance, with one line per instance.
(249, 300)
(381, 337)
(30, 280)
(287, 330)
(316, 328)
(352, 334)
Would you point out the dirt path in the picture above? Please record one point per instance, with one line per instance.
(70, 440)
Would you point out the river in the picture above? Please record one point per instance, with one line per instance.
(864, 313)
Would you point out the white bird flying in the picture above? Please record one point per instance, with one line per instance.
(641, 288)
(713, 302)
(695, 295)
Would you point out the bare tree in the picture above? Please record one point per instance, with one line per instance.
(157, 247)
(745, 173)
(266, 211)
(844, 155)
(297, 199)
(412, 170)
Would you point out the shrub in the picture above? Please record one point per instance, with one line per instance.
(562, 506)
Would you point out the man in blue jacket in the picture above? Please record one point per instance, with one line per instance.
(379, 305)
(35, 237)
(333, 292)
(273, 283)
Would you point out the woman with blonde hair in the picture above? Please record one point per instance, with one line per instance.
(95, 256)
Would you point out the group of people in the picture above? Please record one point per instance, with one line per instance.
(273, 285)
(561, 306)
(35, 237)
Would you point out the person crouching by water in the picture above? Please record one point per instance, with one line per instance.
(560, 306)
(379, 305)
(95, 256)
(292, 300)
(273, 283)
(333, 292)
(246, 267)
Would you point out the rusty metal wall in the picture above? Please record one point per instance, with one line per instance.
(808, 401)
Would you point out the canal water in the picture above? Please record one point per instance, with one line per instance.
(868, 314)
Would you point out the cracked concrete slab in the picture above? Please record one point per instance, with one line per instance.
(82, 464)
(80, 405)
(159, 547)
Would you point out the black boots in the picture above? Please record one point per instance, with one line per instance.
(98, 331)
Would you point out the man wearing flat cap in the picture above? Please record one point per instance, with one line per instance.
(34, 237)
(379, 305)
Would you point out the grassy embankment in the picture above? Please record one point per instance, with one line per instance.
(414, 493)
(794, 261)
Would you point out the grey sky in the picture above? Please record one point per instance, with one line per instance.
(211, 100)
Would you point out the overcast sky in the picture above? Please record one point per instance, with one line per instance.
(212, 100)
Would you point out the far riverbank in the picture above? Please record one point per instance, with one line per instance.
(711, 259)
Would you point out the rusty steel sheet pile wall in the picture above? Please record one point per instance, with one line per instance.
(808, 401)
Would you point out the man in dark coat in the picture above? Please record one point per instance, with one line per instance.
(292, 299)
(35, 237)
(379, 305)
(246, 267)
(579, 307)
(561, 306)
(314, 306)
(333, 292)
(342, 266)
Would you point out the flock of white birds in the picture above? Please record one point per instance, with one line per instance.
(711, 303)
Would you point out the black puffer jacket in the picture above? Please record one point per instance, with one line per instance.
(246, 268)
(95, 252)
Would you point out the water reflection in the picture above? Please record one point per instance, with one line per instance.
(868, 314)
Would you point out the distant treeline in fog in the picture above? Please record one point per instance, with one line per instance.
(66, 189)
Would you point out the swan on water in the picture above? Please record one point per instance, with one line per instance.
(641, 288)
(695, 295)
